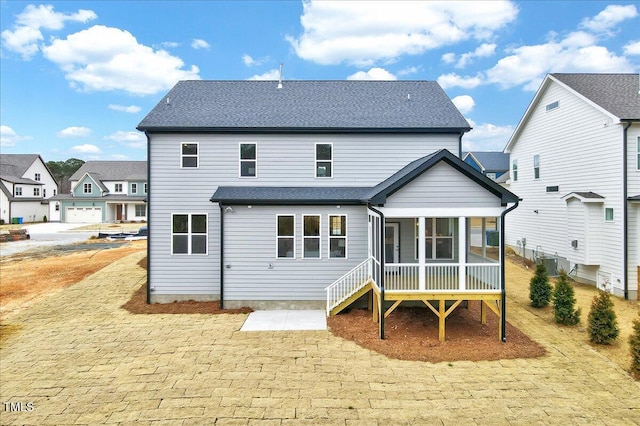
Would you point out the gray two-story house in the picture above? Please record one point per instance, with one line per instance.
(313, 193)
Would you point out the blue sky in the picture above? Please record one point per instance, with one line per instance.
(77, 77)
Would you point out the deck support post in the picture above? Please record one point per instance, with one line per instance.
(462, 253)
(422, 281)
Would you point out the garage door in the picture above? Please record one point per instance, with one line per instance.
(84, 215)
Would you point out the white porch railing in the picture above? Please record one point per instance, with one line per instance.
(349, 283)
(441, 277)
(483, 276)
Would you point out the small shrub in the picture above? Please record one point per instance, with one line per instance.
(603, 325)
(634, 342)
(44, 219)
(564, 302)
(540, 288)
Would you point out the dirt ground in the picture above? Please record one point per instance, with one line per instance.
(411, 333)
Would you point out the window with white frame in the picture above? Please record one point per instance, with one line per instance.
(337, 236)
(134, 188)
(439, 234)
(311, 236)
(36, 192)
(324, 160)
(608, 214)
(285, 237)
(55, 192)
(514, 170)
(118, 187)
(248, 160)
(189, 155)
(141, 210)
(536, 166)
(44, 192)
(144, 188)
(189, 233)
(87, 188)
(18, 190)
(37, 177)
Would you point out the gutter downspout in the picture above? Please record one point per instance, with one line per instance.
(625, 213)
(221, 256)
(503, 308)
(382, 257)
(148, 219)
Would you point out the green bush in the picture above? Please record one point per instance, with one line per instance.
(634, 341)
(564, 302)
(540, 288)
(603, 325)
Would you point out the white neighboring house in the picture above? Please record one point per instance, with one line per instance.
(575, 162)
(26, 184)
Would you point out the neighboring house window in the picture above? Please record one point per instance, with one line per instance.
(554, 188)
(337, 236)
(57, 207)
(188, 233)
(134, 188)
(514, 170)
(38, 177)
(189, 154)
(141, 210)
(286, 240)
(324, 159)
(87, 188)
(36, 192)
(311, 237)
(608, 214)
(18, 190)
(536, 166)
(248, 160)
(438, 238)
(44, 192)
(552, 106)
(491, 175)
(118, 187)
(144, 188)
(55, 191)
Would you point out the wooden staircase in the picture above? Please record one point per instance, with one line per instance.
(349, 288)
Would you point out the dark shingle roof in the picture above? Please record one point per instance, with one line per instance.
(492, 161)
(113, 170)
(305, 105)
(14, 166)
(617, 93)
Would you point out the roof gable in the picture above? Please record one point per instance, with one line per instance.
(490, 161)
(113, 170)
(419, 106)
(14, 166)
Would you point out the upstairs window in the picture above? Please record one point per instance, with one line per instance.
(324, 160)
(337, 236)
(87, 188)
(36, 192)
(118, 187)
(536, 166)
(18, 190)
(144, 188)
(552, 106)
(189, 234)
(248, 160)
(134, 188)
(608, 214)
(311, 236)
(189, 154)
(514, 170)
(38, 177)
(285, 236)
(44, 192)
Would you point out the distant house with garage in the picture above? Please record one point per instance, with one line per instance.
(575, 161)
(490, 163)
(307, 194)
(26, 186)
(105, 191)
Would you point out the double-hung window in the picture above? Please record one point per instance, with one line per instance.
(514, 170)
(141, 210)
(37, 176)
(248, 160)
(134, 188)
(144, 188)
(324, 160)
(118, 187)
(18, 190)
(311, 236)
(36, 192)
(189, 233)
(189, 155)
(337, 236)
(536, 166)
(608, 214)
(87, 188)
(285, 236)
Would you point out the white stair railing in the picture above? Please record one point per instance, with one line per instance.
(348, 284)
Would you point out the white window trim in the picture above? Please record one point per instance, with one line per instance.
(134, 188)
(319, 237)
(330, 237)
(37, 177)
(84, 188)
(189, 234)
(278, 237)
(613, 215)
(135, 211)
(18, 191)
(115, 187)
(315, 163)
(514, 170)
(197, 156)
(240, 160)
(536, 166)
(36, 192)
(144, 187)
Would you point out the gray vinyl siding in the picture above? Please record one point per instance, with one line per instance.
(283, 160)
(252, 269)
(633, 182)
(580, 149)
(442, 186)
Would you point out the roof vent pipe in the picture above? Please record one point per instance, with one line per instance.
(280, 78)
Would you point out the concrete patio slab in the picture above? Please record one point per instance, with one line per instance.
(281, 320)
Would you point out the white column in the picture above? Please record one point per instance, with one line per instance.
(484, 237)
(462, 249)
(421, 254)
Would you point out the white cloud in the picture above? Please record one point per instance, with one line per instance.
(464, 103)
(26, 34)
(169, 44)
(198, 43)
(9, 137)
(269, 75)
(455, 80)
(486, 137)
(632, 48)
(131, 139)
(251, 62)
(482, 51)
(132, 109)
(87, 149)
(409, 71)
(373, 74)
(74, 132)
(364, 32)
(611, 16)
(449, 58)
(103, 58)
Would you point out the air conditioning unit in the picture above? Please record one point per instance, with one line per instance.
(574, 244)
